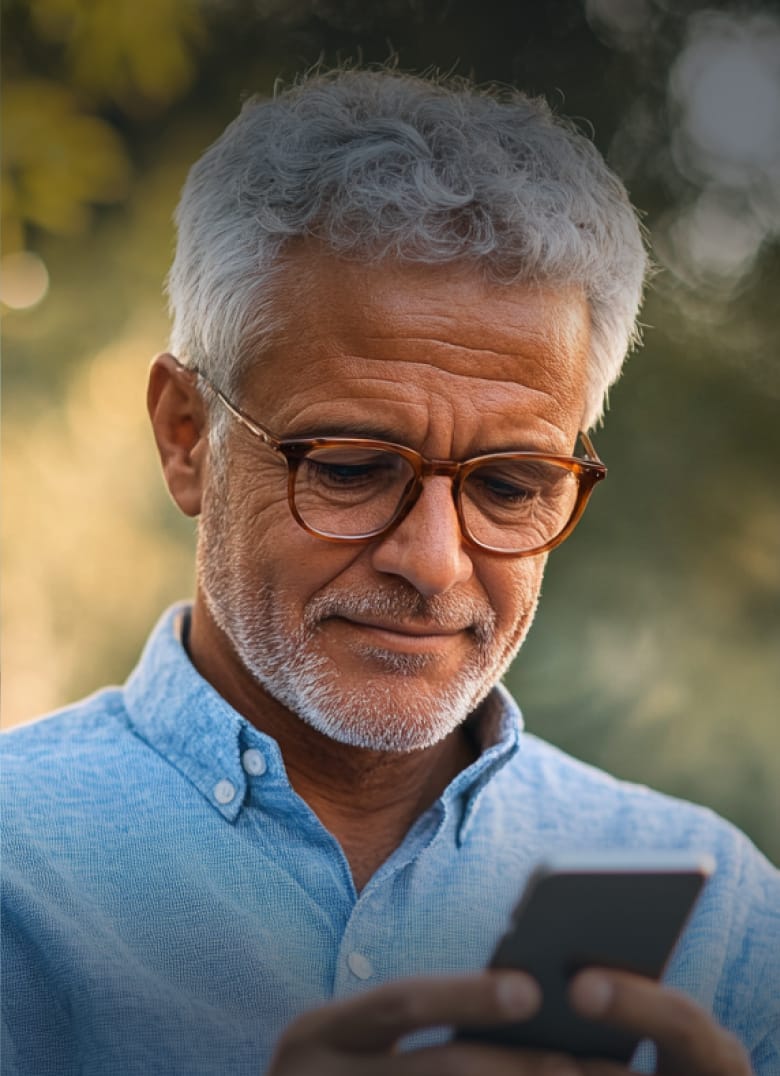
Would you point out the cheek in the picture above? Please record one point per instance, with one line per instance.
(513, 589)
(256, 501)
(272, 549)
(268, 518)
(243, 519)
(253, 532)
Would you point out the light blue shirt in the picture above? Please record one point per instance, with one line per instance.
(170, 903)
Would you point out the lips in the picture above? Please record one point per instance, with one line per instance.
(402, 614)
(375, 638)
(415, 630)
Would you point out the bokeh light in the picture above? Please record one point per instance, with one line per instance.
(724, 90)
(24, 280)
(713, 241)
(726, 83)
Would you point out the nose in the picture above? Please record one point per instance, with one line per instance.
(426, 548)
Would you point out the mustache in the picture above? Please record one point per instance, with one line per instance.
(449, 612)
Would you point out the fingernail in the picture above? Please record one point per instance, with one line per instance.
(518, 995)
(590, 993)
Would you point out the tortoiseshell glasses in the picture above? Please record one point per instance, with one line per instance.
(356, 489)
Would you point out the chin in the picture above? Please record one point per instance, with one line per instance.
(380, 713)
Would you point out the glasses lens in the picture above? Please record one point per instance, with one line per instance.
(517, 505)
(350, 492)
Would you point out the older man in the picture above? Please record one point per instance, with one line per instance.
(294, 836)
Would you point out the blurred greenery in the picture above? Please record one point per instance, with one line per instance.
(655, 653)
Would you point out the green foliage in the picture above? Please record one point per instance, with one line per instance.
(122, 51)
(58, 160)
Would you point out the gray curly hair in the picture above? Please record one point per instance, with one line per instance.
(376, 164)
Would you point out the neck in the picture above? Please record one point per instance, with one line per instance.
(367, 799)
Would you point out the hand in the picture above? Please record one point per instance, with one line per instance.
(688, 1040)
(358, 1037)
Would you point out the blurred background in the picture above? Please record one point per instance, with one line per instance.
(656, 652)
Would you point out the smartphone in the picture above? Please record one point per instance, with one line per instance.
(593, 910)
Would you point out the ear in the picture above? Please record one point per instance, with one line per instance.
(180, 429)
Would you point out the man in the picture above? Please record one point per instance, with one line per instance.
(293, 838)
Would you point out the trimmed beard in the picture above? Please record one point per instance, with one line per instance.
(286, 661)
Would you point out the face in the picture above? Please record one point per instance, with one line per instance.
(392, 644)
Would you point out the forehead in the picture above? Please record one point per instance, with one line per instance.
(420, 346)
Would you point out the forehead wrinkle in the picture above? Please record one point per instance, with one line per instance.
(439, 357)
(483, 376)
(494, 428)
(543, 319)
(518, 394)
(465, 352)
(404, 384)
(402, 391)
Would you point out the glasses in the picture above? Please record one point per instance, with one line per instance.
(356, 489)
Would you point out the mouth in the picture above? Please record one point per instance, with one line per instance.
(409, 637)
(419, 629)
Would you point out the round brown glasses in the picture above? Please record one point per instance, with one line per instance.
(356, 489)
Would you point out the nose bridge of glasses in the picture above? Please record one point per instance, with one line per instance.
(434, 468)
(444, 468)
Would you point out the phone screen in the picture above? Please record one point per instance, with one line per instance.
(576, 914)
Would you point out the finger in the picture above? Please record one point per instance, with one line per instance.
(471, 1059)
(377, 1019)
(453, 1059)
(689, 1041)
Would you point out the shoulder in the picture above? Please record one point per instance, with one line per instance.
(589, 799)
(90, 717)
(62, 766)
(74, 736)
(575, 805)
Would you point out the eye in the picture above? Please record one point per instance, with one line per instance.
(347, 470)
(339, 474)
(507, 492)
(505, 486)
(348, 474)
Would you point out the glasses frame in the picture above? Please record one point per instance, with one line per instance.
(589, 471)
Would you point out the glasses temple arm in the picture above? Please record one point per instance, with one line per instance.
(237, 414)
(590, 452)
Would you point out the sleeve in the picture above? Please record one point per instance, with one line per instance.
(748, 997)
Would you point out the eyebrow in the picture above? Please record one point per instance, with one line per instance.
(364, 429)
(373, 432)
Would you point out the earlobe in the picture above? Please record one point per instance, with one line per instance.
(180, 426)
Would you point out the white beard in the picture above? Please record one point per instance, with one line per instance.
(280, 649)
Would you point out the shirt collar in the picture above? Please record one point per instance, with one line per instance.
(188, 723)
(496, 726)
(184, 719)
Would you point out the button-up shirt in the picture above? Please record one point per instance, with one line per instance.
(171, 903)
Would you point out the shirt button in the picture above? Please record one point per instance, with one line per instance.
(224, 791)
(253, 762)
(360, 965)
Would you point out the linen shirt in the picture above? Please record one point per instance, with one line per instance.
(170, 903)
